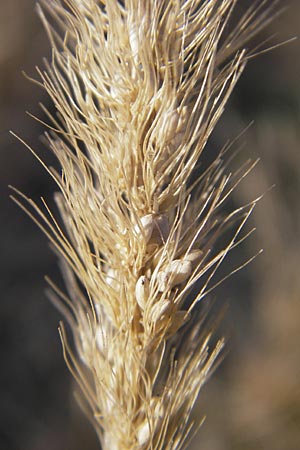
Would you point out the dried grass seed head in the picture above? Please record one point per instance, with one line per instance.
(138, 88)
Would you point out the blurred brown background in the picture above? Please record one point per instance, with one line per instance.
(253, 400)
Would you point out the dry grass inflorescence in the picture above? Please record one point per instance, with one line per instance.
(138, 87)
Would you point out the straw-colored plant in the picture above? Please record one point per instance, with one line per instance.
(138, 87)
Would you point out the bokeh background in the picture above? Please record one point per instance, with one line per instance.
(253, 400)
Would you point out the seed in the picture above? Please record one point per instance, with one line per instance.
(193, 256)
(154, 228)
(143, 433)
(159, 309)
(142, 291)
(145, 227)
(176, 273)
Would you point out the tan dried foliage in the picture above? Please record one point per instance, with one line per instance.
(138, 87)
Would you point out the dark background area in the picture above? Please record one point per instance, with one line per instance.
(253, 400)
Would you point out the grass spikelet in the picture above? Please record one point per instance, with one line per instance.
(138, 87)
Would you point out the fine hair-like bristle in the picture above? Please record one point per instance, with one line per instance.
(138, 88)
